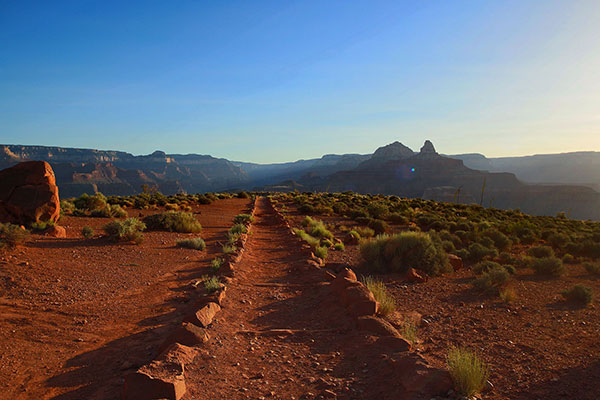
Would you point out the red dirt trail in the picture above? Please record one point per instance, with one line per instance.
(324, 357)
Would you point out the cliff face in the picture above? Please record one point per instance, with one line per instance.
(113, 172)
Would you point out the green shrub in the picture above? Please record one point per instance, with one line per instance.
(326, 243)
(12, 235)
(90, 203)
(478, 252)
(314, 242)
(67, 206)
(387, 304)
(485, 266)
(548, 266)
(211, 284)
(173, 221)
(319, 230)
(355, 234)
(195, 244)
(229, 248)
(87, 232)
(321, 252)
(468, 372)
(558, 239)
(398, 252)
(339, 246)
(377, 210)
(568, 259)
(238, 229)
(592, 268)
(42, 225)
(500, 240)
(243, 195)
(491, 280)
(379, 226)
(216, 264)
(578, 294)
(245, 219)
(397, 218)
(129, 230)
(540, 251)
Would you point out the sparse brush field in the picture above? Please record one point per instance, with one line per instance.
(525, 300)
(79, 313)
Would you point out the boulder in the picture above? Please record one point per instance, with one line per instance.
(359, 300)
(204, 316)
(412, 275)
(187, 334)
(158, 380)
(455, 261)
(377, 326)
(28, 193)
(56, 232)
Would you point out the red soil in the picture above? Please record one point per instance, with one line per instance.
(539, 347)
(78, 314)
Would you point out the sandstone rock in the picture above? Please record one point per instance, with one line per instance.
(56, 231)
(455, 261)
(377, 326)
(178, 353)
(348, 273)
(187, 334)
(28, 193)
(338, 286)
(157, 380)
(394, 343)
(412, 275)
(204, 316)
(359, 300)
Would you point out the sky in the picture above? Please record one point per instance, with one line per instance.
(274, 81)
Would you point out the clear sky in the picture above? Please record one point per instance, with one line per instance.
(281, 80)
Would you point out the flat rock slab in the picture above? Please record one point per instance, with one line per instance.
(204, 316)
(187, 334)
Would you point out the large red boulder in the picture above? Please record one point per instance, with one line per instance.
(28, 193)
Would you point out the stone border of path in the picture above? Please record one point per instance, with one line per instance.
(361, 304)
(163, 377)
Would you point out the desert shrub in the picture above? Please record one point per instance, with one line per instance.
(548, 266)
(507, 258)
(173, 221)
(590, 249)
(358, 213)
(245, 219)
(172, 207)
(339, 246)
(87, 232)
(578, 294)
(462, 253)
(306, 209)
(211, 284)
(319, 230)
(499, 239)
(363, 220)
(468, 372)
(314, 242)
(326, 243)
(323, 210)
(216, 263)
(41, 225)
(229, 248)
(238, 229)
(321, 252)
(510, 269)
(491, 280)
(592, 268)
(379, 226)
(364, 232)
(558, 239)
(12, 235)
(485, 266)
(478, 252)
(67, 206)
(202, 199)
(109, 211)
(377, 210)
(568, 259)
(355, 234)
(540, 251)
(195, 244)
(129, 230)
(397, 218)
(398, 252)
(243, 195)
(387, 304)
(90, 203)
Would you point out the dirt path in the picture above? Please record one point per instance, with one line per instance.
(323, 356)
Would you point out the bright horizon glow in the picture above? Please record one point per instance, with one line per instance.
(276, 81)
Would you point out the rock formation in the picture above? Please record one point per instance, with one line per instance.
(28, 193)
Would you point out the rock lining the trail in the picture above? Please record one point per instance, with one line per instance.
(163, 378)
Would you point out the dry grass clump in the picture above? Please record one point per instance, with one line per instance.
(173, 221)
(245, 219)
(467, 370)
(216, 264)
(195, 244)
(211, 284)
(387, 304)
(409, 331)
(548, 266)
(578, 294)
(87, 232)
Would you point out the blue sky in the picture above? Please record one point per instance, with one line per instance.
(273, 81)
